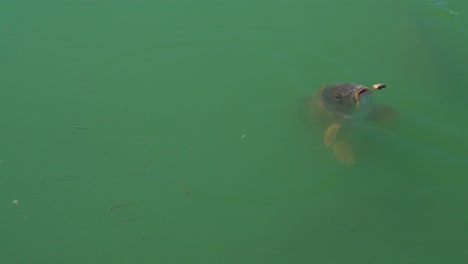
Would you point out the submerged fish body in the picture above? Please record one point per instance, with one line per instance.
(338, 107)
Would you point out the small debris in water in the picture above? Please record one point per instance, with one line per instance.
(15, 202)
(186, 190)
(120, 206)
(147, 141)
(147, 167)
(108, 149)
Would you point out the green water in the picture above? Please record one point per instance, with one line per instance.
(189, 111)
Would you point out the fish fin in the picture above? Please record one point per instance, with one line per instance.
(343, 151)
(330, 134)
(383, 113)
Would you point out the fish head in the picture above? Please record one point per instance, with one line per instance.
(344, 100)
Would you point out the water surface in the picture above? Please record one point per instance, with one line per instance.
(190, 111)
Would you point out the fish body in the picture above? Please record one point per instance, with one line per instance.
(338, 107)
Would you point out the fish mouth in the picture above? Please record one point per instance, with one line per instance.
(361, 92)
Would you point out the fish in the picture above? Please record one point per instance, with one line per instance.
(338, 107)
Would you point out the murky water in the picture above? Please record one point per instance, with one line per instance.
(189, 114)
